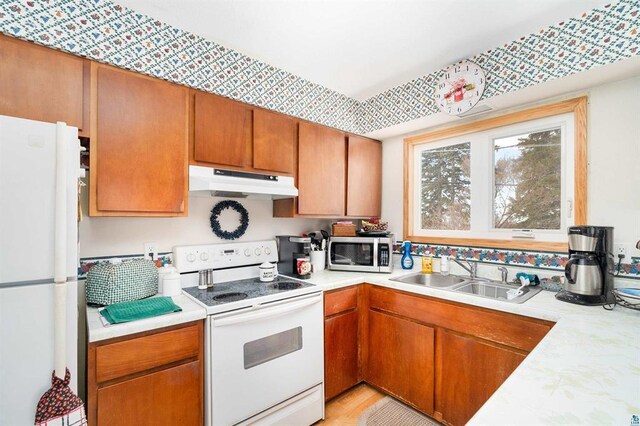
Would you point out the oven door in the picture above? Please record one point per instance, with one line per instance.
(353, 254)
(263, 356)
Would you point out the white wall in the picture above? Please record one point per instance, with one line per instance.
(107, 236)
(614, 164)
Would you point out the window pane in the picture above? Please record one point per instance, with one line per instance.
(445, 193)
(528, 178)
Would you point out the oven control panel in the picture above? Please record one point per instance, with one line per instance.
(224, 255)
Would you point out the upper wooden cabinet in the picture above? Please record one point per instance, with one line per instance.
(364, 178)
(235, 136)
(222, 131)
(274, 140)
(139, 145)
(43, 84)
(321, 170)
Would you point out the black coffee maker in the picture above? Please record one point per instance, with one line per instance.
(588, 273)
(291, 248)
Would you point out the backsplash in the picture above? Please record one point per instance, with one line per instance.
(525, 259)
(105, 31)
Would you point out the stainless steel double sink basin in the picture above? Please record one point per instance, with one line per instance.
(475, 286)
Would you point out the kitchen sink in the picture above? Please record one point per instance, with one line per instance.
(430, 280)
(494, 290)
(480, 287)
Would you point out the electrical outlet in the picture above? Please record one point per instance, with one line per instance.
(621, 249)
(150, 251)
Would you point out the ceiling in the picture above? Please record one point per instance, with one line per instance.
(361, 47)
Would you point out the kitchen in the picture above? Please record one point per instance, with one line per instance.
(211, 163)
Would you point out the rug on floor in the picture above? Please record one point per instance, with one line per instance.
(389, 412)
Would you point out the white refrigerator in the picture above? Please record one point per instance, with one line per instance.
(27, 253)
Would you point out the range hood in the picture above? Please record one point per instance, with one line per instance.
(210, 182)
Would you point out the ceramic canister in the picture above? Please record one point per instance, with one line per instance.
(267, 272)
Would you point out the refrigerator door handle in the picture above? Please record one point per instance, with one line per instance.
(60, 253)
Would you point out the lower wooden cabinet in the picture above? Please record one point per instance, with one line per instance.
(469, 372)
(444, 358)
(342, 341)
(401, 354)
(150, 378)
(341, 353)
(167, 397)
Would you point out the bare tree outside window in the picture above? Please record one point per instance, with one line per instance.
(528, 178)
(445, 193)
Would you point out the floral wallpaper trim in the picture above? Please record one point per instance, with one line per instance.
(525, 259)
(87, 262)
(105, 31)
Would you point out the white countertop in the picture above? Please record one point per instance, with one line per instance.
(585, 371)
(191, 311)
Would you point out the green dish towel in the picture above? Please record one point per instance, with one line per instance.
(139, 309)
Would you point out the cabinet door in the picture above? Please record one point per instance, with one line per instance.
(469, 371)
(222, 131)
(364, 179)
(40, 84)
(139, 158)
(401, 359)
(166, 397)
(321, 170)
(274, 140)
(340, 353)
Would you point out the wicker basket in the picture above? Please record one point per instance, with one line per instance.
(341, 230)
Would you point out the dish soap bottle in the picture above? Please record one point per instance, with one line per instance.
(427, 265)
(407, 260)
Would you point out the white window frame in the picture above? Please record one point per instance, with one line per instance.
(482, 180)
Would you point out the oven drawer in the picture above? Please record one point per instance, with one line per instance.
(143, 353)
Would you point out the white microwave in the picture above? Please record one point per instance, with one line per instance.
(361, 254)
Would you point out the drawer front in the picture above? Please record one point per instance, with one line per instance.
(507, 329)
(340, 300)
(131, 356)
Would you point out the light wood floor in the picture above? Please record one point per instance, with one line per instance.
(345, 409)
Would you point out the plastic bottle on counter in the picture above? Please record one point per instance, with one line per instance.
(427, 265)
(444, 265)
(407, 260)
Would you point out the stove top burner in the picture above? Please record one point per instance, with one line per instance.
(287, 285)
(230, 297)
(234, 291)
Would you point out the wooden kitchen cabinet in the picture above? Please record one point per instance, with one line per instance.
(139, 142)
(469, 371)
(341, 341)
(150, 378)
(222, 131)
(321, 171)
(274, 141)
(364, 177)
(43, 84)
(401, 359)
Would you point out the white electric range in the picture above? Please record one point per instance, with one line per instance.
(264, 345)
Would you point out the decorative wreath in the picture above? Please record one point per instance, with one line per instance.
(215, 223)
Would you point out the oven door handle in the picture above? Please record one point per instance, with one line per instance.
(264, 313)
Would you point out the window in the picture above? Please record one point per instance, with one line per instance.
(508, 181)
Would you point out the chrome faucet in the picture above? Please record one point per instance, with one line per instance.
(472, 269)
(505, 273)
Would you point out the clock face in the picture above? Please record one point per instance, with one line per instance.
(460, 88)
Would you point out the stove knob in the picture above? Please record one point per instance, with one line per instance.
(267, 251)
(247, 252)
(257, 252)
(191, 257)
(204, 256)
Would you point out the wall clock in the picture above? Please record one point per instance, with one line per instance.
(460, 88)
